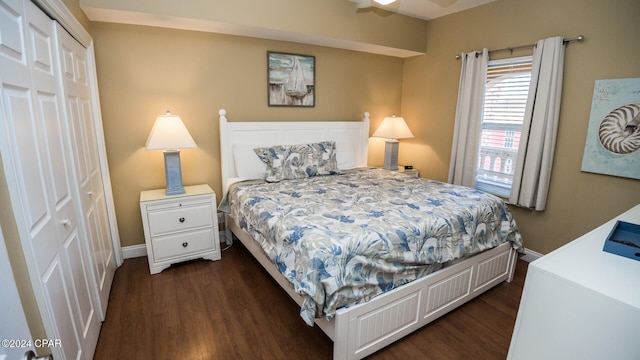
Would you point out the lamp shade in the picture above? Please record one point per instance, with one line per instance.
(384, 2)
(169, 133)
(393, 127)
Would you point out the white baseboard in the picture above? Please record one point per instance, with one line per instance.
(530, 255)
(134, 251)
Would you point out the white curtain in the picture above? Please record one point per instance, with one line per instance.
(466, 131)
(537, 143)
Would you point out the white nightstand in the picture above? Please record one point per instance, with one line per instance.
(179, 227)
(411, 172)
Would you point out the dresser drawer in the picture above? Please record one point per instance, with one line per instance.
(180, 219)
(172, 246)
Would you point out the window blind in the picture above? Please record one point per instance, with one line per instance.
(505, 99)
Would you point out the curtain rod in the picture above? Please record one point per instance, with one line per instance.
(511, 48)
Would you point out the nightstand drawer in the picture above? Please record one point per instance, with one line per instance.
(180, 219)
(172, 246)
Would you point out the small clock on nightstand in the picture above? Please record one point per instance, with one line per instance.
(411, 171)
(179, 227)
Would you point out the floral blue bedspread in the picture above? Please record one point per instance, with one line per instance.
(343, 239)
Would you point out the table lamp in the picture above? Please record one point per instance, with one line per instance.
(392, 128)
(170, 134)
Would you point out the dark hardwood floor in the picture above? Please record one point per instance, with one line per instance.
(232, 309)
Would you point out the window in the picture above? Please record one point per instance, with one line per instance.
(505, 99)
(508, 166)
(508, 138)
(487, 162)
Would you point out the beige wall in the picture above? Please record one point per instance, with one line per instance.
(578, 201)
(143, 71)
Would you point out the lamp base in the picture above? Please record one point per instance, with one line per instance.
(173, 172)
(391, 155)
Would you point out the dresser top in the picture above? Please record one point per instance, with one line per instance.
(584, 263)
(159, 194)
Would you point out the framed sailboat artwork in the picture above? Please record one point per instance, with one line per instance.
(291, 79)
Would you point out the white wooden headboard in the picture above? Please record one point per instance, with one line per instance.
(351, 138)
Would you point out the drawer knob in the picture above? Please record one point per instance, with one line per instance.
(181, 220)
(185, 244)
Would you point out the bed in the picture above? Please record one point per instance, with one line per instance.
(363, 283)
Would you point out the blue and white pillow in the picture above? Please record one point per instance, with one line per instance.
(299, 161)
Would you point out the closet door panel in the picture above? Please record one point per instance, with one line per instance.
(78, 98)
(54, 287)
(17, 104)
(93, 161)
(48, 129)
(105, 250)
(73, 250)
(96, 207)
(52, 143)
(42, 51)
(55, 160)
(94, 230)
(30, 178)
(79, 147)
(12, 43)
(84, 311)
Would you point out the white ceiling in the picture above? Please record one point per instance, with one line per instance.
(424, 9)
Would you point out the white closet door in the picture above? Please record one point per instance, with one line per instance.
(40, 178)
(75, 74)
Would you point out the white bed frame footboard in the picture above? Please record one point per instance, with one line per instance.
(363, 329)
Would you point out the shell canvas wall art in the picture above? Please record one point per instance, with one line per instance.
(613, 137)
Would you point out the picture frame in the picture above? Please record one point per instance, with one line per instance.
(612, 146)
(290, 79)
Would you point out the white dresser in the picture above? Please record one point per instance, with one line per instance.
(179, 227)
(580, 302)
